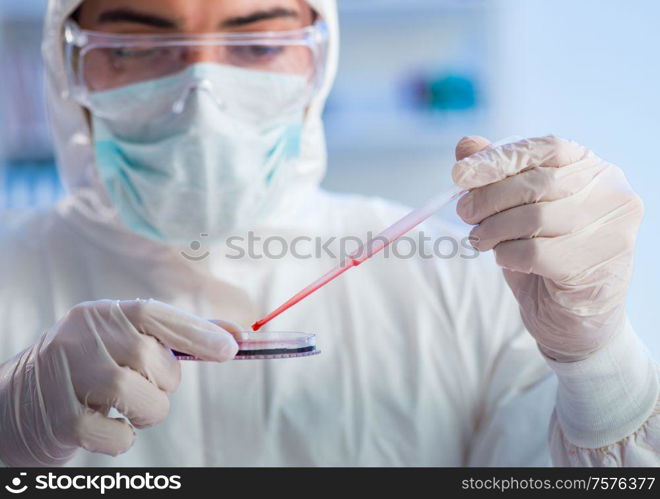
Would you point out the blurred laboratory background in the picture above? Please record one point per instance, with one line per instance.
(417, 75)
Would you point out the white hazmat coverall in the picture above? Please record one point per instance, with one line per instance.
(425, 360)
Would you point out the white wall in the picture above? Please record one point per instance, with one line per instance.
(23, 9)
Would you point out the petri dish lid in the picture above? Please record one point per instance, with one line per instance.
(270, 345)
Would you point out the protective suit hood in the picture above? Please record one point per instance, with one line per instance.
(72, 134)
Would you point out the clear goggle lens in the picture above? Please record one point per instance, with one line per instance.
(99, 62)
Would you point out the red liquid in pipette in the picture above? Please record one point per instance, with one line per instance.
(336, 272)
(304, 293)
(383, 239)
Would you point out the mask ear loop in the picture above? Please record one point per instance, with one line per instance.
(203, 85)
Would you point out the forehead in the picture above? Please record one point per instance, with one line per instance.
(194, 15)
(192, 7)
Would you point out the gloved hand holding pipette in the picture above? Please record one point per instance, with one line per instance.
(562, 223)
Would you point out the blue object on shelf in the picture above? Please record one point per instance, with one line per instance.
(450, 92)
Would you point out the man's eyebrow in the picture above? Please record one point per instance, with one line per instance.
(125, 15)
(262, 15)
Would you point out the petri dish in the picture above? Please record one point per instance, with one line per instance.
(271, 345)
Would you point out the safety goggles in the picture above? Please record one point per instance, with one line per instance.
(100, 62)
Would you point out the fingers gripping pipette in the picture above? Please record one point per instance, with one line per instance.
(382, 240)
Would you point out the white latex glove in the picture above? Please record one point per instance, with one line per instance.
(55, 396)
(562, 223)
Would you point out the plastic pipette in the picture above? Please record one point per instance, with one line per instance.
(382, 240)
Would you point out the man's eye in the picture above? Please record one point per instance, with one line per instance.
(128, 54)
(256, 53)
